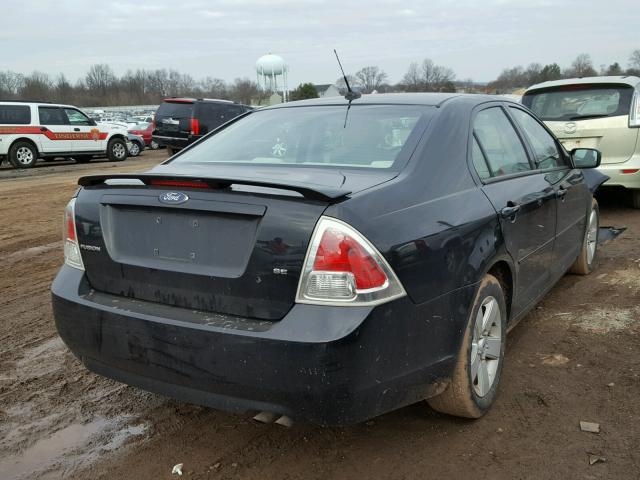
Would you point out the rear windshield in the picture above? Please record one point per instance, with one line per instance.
(175, 110)
(367, 136)
(15, 114)
(575, 102)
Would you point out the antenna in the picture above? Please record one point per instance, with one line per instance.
(350, 95)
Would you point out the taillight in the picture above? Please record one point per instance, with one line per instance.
(634, 114)
(343, 268)
(72, 255)
(195, 126)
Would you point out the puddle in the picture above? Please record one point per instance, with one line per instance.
(71, 447)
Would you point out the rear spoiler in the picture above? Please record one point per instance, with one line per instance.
(310, 191)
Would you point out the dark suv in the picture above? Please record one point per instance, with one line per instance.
(181, 121)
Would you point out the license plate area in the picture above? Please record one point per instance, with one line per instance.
(188, 241)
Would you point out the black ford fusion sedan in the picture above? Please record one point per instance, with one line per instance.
(328, 260)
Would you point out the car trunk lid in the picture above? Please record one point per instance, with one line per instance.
(230, 243)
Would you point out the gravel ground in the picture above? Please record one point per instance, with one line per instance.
(574, 358)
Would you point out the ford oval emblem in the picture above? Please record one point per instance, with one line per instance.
(570, 128)
(173, 198)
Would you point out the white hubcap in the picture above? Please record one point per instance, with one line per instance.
(486, 346)
(24, 155)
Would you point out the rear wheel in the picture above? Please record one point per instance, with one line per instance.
(154, 145)
(117, 150)
(23, 155)
(635, 198)
(584, 263)
(474, 383)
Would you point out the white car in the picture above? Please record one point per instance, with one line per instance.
(29, 131)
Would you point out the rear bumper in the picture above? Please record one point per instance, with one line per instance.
(616, 176)
(177, 143)
(325, 365)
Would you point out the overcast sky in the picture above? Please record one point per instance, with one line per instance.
(224, 38)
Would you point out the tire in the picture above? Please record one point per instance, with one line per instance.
(468, 395)
(83, 158)
(117, 150)
(589, 251)
(154, 145)
(170, 151)
(135, 149)
(635, 198)
(23, 155)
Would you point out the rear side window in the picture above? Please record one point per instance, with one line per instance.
(212, 115)
(575, 102)
(500, 143)
(15, 115)
(175, 110)
(52, 116)
(544, 146)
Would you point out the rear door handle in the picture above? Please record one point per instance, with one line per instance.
(76, 129)
(561, 192)
(510, 212)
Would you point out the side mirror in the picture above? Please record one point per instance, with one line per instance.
(586, 157)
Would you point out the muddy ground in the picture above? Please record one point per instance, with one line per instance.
(575, 358)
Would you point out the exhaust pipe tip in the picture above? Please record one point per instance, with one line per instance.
(266, 417)
(285, 421)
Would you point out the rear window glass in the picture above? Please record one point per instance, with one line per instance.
(574, 102)
(15, 114)
(370, 136)
(175, 110)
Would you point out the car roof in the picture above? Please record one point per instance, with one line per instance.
(35, 103)
(622, 80)
(427, 99)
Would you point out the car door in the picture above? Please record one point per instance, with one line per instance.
(55, 130)
(571, 191)
(87, 136)
(523, 198)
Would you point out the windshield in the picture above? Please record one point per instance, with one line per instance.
(367, 136)
(573, 102)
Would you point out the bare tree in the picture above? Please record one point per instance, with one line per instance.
(37, 86)
(342, 86)
(634, 62)
(244, 90)
(370, 78)
(412, 80)
(582, 66)
(100, 78)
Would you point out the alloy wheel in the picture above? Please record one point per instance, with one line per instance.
(134, 150)
(592, 236)
(24, 156)
(119, 150)
(486, 346)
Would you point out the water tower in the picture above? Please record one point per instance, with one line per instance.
(272, 75)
